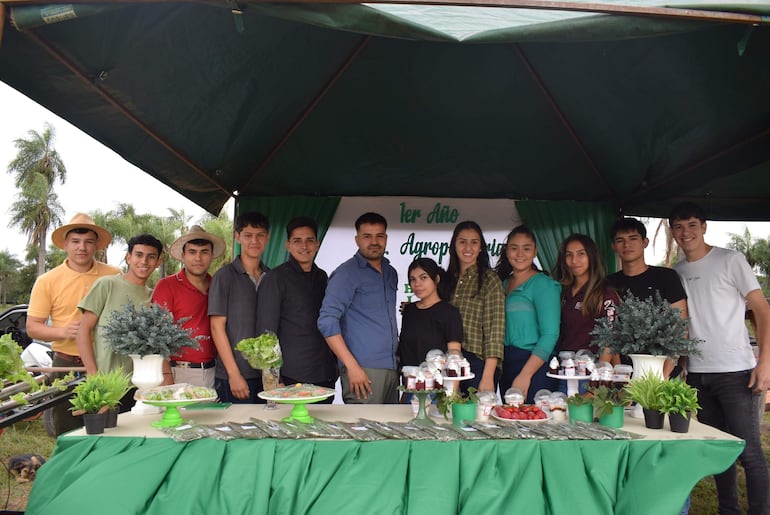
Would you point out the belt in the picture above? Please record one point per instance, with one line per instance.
(75, 360)
(190, 364)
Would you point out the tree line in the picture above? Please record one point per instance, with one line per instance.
(37, 170)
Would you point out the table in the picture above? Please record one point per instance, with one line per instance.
(134, 468)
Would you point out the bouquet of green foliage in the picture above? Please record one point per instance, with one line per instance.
(648, 326)
(262, 352)
(146, 330)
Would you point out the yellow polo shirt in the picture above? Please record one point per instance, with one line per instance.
(56, 294)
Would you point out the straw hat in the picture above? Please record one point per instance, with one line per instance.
(196, 233)
(82, 221)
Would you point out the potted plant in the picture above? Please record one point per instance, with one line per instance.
(462, 405)
(146, 331)
(580, 408)
(148, 335)
(116, 384)
(608, 404)
(679, 400)
(648, 331)
(646, 391)
(264, 353)
(91, 400)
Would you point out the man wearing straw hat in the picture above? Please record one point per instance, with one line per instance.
(186, 295)
(56, 294)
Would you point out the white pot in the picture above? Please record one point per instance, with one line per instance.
(646, 363)
(148, 372)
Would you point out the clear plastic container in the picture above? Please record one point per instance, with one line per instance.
(514, 397)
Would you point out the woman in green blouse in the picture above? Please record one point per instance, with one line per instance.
(478, 293)
(532, 315)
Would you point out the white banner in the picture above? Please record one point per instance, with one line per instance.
(417, 226)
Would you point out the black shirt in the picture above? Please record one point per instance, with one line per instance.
(664, 280)
(426, 329)
(288, 303)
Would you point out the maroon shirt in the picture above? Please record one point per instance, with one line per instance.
(177, 294)
(576, 327)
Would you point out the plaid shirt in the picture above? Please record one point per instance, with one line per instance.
(483, 314)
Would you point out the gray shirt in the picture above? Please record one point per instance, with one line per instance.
(233, 294)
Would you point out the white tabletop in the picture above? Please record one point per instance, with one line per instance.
(140, 425)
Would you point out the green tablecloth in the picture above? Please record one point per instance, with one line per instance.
(121, 475)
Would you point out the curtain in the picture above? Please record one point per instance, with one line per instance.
(280, 210)
(553, 221)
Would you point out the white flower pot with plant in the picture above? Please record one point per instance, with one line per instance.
(148, 334)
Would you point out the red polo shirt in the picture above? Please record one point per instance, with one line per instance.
(184, 300)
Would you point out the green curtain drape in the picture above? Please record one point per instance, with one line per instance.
(280, 210)
(119, 475)
(552, 222)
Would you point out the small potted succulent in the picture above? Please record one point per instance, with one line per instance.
(679, 400)
(462, 405)
(580, 408)
(116, 384)
(647, 330)
(608, 404)
(646, 391)
(92, 400)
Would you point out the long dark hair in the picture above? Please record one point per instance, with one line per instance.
(594, 296)
(482, 263)
(504, 268)
(437, 274)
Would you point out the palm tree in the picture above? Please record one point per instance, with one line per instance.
(124, 223)
(221, 226)
(37, 168)
(743, 243)
(9, 265)
(36, 209)
(672, 250)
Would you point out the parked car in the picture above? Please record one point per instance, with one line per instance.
(13, 321)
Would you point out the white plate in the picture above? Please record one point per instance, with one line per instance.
(535, 421)
(564, 378)
(177, 402)
(459, 378)
(294, 400)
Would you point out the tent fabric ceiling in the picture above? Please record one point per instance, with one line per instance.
(329, 100)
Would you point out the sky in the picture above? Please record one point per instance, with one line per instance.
(98, 178)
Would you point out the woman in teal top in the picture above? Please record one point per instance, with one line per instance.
(532, 315)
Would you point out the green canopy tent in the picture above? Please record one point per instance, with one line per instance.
(634, 110)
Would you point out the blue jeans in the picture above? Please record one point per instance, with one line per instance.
(513, 362)
(222, 386)
(477, 368)
(728, 404)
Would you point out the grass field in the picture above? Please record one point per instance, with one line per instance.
(31, 438)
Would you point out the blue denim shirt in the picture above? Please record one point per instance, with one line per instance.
(360, 304)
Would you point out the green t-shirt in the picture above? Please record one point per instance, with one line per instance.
(110, 294)
(533, 315)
